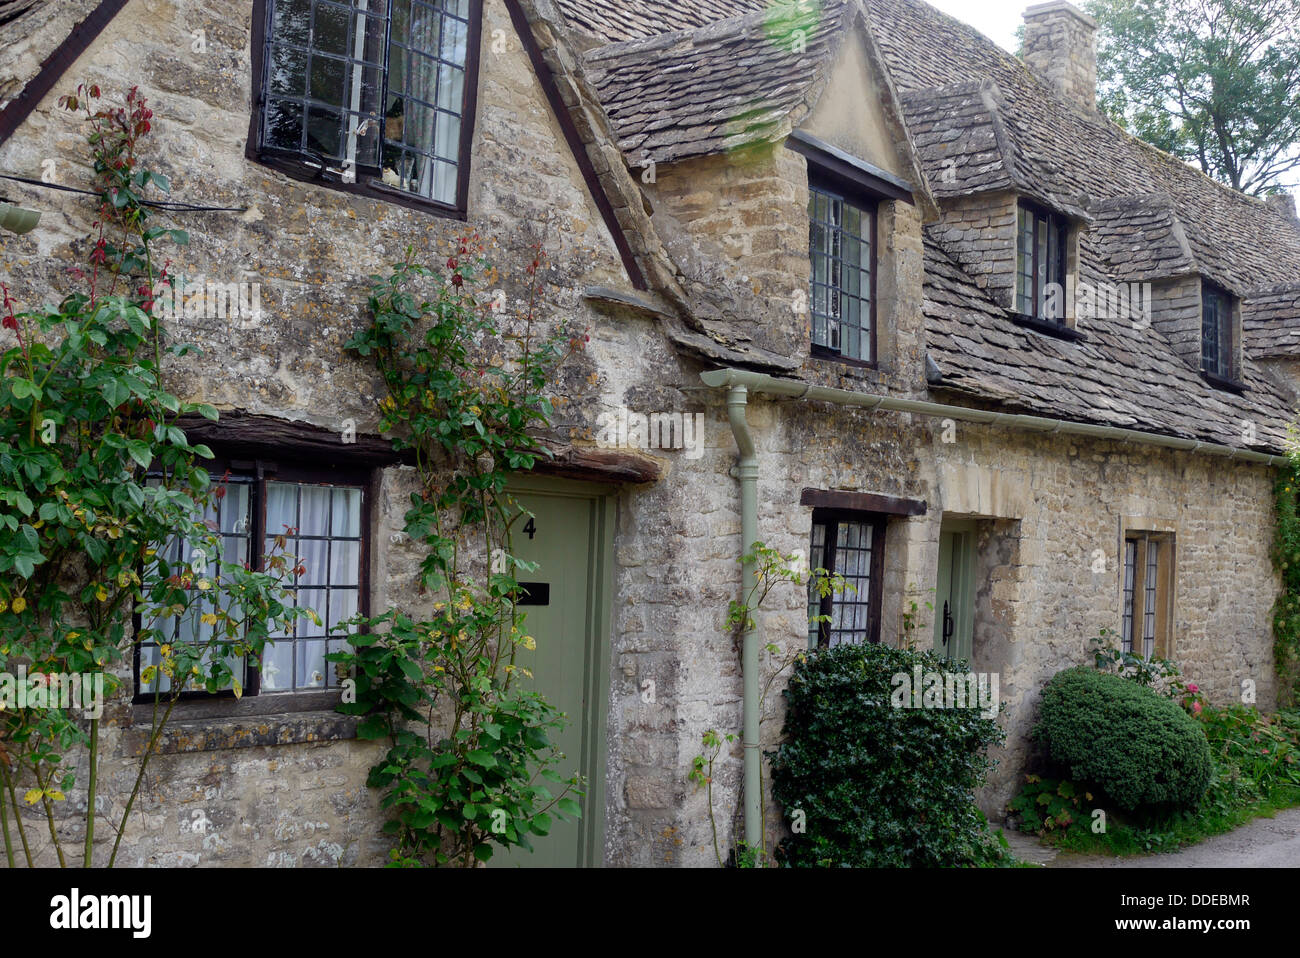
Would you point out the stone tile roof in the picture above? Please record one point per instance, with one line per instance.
(1140, 238)
(712, 88)
(969, 142)
(1119, 375)
(619, 20)
(1269, 322)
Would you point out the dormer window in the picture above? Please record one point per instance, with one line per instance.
(1218, 346)
(1042, 255)
(841, 246)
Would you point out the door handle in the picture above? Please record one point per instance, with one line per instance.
(949, 626)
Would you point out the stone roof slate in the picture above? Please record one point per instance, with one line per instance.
(1269, 322)
(712, 88)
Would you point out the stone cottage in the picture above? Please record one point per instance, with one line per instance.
(949, 332)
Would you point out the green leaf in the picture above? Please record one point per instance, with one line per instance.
(140, 451)
(482, 758)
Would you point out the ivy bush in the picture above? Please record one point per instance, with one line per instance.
(1140, 748)
(871, 785)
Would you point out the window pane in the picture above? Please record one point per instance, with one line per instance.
(328, 548)
(327, 57)
(840, 257)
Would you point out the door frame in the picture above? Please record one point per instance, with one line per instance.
(598, 640)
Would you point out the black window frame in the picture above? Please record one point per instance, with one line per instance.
(1226, 371)
(830, 519)
(1059, 226)
(867, 204)
(301, 167)
(294, 469)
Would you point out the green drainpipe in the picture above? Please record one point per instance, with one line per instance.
(747, 472)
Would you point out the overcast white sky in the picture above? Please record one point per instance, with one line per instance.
(996, 19)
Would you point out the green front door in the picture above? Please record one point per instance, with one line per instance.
(954, 605)
(567, 611)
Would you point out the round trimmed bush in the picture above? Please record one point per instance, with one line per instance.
(1141, 749)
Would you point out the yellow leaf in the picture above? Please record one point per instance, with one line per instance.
(101, 594)
(528, 642)
(204, 585)
(55, 794)
(208, 618)
(20, 604)
(239, 689)
(527, 673)
(33, 796)
(4, 606)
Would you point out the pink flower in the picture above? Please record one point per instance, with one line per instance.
(1196, 708)
(1192, 687)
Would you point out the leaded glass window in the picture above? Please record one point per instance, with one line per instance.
(371, 90)
(853, 547)
(841, 247)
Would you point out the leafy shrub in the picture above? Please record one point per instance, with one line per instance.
(1143, 750)
(1047, 805)
(879, 786)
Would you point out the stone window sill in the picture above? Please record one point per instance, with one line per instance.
(214, 725)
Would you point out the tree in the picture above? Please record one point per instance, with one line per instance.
(1214, 82)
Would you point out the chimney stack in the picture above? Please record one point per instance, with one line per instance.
(1283, 203)
(1061, 47)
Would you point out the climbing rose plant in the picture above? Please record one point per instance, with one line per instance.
(470, 749)
(103, 541)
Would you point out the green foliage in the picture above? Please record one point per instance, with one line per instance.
(1255, 773)
(1214, 82)
(100, 489)
(880, 786)
(1053, 806)
(1141, 749)
(470, 745)
(1286, 562)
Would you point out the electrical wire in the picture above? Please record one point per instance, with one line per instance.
(156, 204)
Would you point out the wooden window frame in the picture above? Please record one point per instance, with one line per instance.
(867, 204)
(1054, 223)
(1156, 602)
(830, 519)
(289, 470)
(301, 167)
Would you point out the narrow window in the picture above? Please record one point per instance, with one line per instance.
(851, 545)
(841, 246)
(1041, 264)
(1147, 624)
(319, 517)
(371, 93)
(1217, 346)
